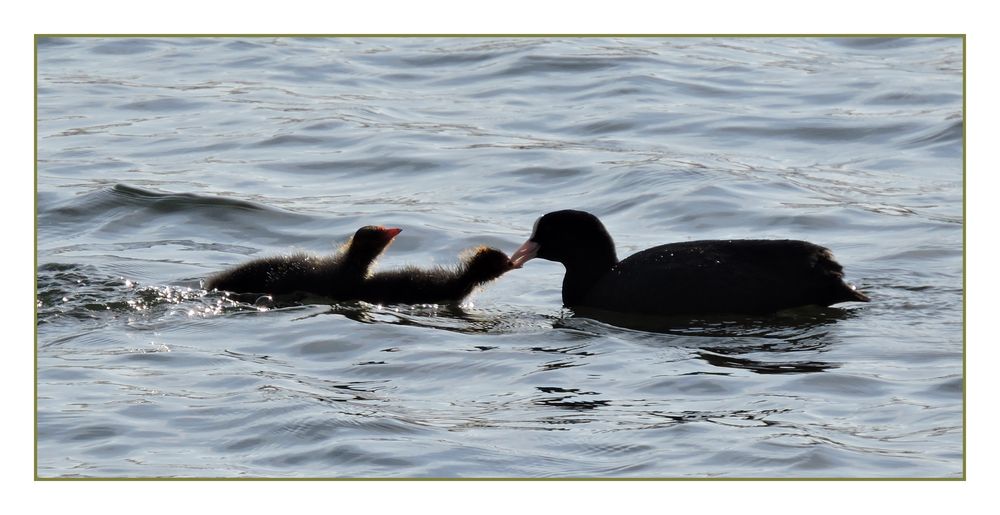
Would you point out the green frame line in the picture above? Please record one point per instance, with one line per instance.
(963, 36)
(495, 35)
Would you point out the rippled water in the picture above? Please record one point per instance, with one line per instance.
(162, 160)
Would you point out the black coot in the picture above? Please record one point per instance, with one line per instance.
(337, 276)
(696, 277)
(411, 285)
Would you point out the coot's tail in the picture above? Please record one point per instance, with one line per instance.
(840, 290)
(854, 294)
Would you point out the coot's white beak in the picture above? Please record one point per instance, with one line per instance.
(527, 251)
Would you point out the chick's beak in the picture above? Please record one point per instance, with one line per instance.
(527, 251)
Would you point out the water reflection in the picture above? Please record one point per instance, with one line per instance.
(764, 367)
(567, 398)
(714, 325)
(446, 317)
(725, 341)
(739, 417)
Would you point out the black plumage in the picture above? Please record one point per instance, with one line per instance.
(696, 277)
(337, 276)
(413, 285)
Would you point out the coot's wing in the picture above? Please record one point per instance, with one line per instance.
(274, 274)
(721, 276)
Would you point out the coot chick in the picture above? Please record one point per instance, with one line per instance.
(412, 285)
(337, 276)
(696, 277)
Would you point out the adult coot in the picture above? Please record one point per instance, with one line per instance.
(696, 277)
(337, 276)
(412, 285)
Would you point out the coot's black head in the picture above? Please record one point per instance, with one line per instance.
(484, 264)
(573, 238)
(368, 243)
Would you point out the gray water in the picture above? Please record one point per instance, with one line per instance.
(162, 160)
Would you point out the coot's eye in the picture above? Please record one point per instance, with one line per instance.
(534, 229)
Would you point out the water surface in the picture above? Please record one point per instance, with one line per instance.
(162, 160)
